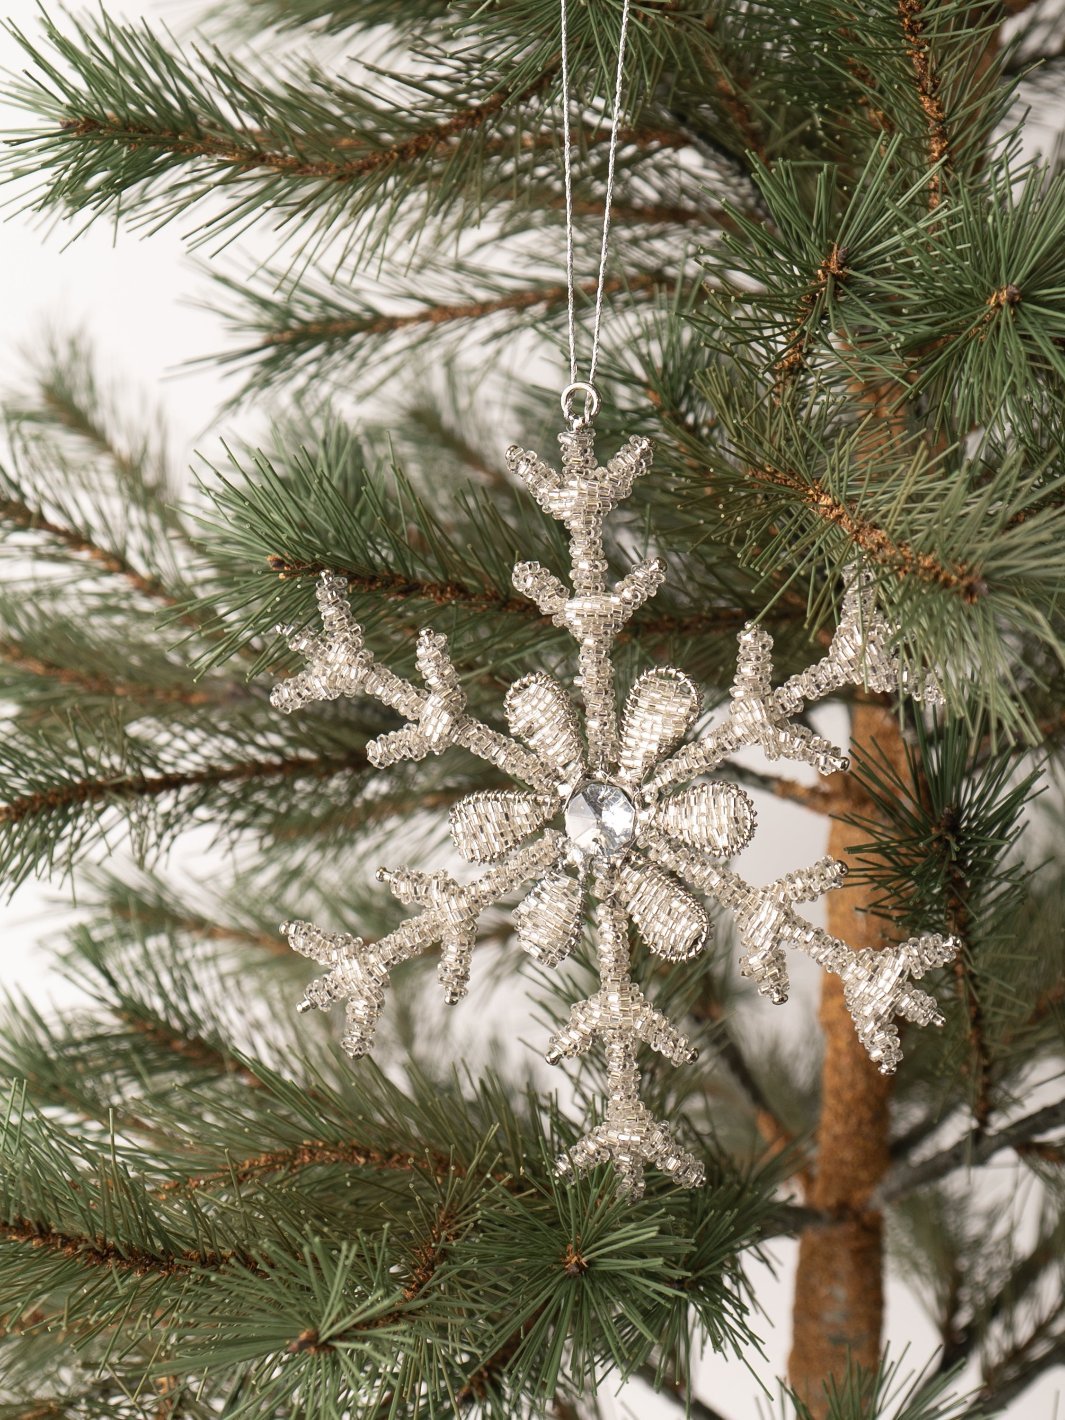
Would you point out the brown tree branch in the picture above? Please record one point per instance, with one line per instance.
(99, 1252)
(770, 1126)
(548, 297)
(132, 786)
(911, 13)
(898, 557)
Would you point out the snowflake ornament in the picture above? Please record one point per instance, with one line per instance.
(613, 813)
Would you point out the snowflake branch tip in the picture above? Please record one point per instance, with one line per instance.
(583, 489)
(759, 720)
(863, 647)
(338, 663)
(630, 1146)
(877, 987)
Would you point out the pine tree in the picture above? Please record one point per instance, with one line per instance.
(837, 304)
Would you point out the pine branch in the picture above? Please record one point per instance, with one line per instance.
(242, 152)
(303, 334)
(200, 927)
(898, 558)
(319, 1153)
(1018, 1369)
(541, 297)
(911, 17)
(183, 1046)
(64, 792)
(774, 1131)
(333, 17)
(16, 657)
(401, 590)
(98, 1252)
(132, 114)
(959, 923)
(21, 516)
(66, 398)
(86, 549)
(1004, 1303)
(136, 786)
(976, 1148)
(405, 563)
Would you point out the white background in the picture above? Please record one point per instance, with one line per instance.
(132, 296)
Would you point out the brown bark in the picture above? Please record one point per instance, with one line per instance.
(839, 1287)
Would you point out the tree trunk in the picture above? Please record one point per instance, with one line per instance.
(839, 1298)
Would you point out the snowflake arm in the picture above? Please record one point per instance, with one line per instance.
(340, 665)
(359, 971)
(338, 662)
(620, 1017)
(876, 984)
(580, 498)
(860, 654)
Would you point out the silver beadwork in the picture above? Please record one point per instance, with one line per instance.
(600, 820)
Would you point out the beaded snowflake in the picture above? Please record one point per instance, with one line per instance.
(601, 819)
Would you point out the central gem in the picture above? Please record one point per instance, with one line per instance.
(600, 819)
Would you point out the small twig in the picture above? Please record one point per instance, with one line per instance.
(818, 798)
(676, 1394)
(791, 362)
(974, 1149)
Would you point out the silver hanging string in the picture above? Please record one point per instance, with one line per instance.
(588, 386)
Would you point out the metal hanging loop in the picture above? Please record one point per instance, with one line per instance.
(592, 402)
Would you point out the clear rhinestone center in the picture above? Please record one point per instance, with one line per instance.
(600, 819)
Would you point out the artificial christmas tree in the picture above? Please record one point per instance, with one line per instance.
(836, 301)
